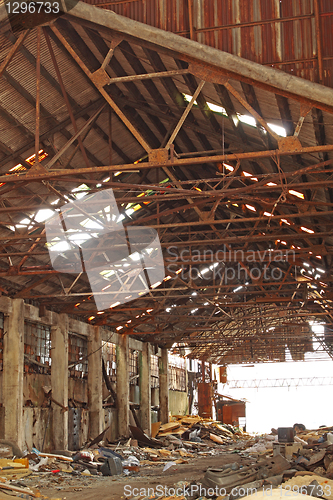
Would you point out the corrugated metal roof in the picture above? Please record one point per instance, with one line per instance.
(155, 107)
(272, 32)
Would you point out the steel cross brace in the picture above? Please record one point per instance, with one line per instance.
(99, 80)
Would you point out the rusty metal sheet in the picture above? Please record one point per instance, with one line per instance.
(267, 31)
(232, 412)
(205, 396)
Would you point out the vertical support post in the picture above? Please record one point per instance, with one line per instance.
(59, 381)
(110, 141)
(122, 374)
(13, 362)
(164, 386)
(319, 44)
(145, 390)
(190, 19)
(95, 387)
(37, 97)
(187, 389)
(65, 96)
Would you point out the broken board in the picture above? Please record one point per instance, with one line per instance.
(155, 427)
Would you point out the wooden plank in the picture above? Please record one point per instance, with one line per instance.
(169, 426)
(216, 439)
(155, 427)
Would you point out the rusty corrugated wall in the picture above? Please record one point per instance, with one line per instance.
(281, 33)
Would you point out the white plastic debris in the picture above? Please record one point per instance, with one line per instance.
(131, 461)
(43, 461)
(168, 465)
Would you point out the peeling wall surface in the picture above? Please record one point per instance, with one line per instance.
(78, 424)
(38, 428)
(278, 33)
(178, 403)
(33, 384)
(39, 411)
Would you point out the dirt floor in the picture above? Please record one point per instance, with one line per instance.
(113, 488)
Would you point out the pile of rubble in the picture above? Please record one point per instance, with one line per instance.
(303, 462)
(203, 428)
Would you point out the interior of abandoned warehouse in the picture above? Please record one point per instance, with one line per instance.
(166, 207)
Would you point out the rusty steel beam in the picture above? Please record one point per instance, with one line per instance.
(185, 114)
(13, 51)
(37, 122)
(238, 239)
(247, 24)
(190, 50)
(188, 162)
(235, 255)
(115, 2)
(114, 43)
(235, 220)
(319, 42)
(57, 128)
(70, 142)
(190, 19)
(251, 110)
(186, 288)
(65, 96)
(99, 80)
(147, 76)
(230, 239)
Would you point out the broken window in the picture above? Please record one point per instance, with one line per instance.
(154, 372)
(177, 374)
(77, 355)
(109, 356)
(37, 344)
(134, 367)
(1, 341)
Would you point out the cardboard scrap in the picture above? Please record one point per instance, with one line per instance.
(165, 453)
(150, 462)
(58, 457)
(216, 439)
(223, 430)
(184, 453)
(150, 450)
(190, 420)
(304, 480)
(155, 427)
(177, 431)
(170, 426)
(10, 487)
(17, 467)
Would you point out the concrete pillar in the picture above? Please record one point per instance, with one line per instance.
(59, 381)
(145, 390)
(122, 374)
(164, 386)
(95, 382)
(13, 362)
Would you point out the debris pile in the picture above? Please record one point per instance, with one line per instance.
(280, 459)
(205, 428)
(191, 428)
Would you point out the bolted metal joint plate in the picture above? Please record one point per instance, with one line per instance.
(100, 78)
(290, 144)
(160, 155)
